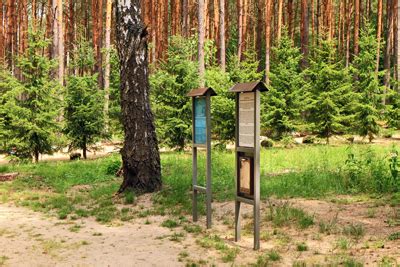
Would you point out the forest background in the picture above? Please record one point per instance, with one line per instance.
(331, 68)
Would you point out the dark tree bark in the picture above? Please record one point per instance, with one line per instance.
(304, 32)
(140, 154)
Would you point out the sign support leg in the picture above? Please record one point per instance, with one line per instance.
(237, 220)
(194, 183)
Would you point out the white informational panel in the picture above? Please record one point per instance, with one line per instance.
(246, 119)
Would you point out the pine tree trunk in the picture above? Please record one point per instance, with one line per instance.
(49, 26)
(9, 27)
(2, 39)
(201, 41)
(240, 28)
(140, 155)
(268, 14)
(348, 16)
(107, 63)
(397, 45)
(304, 32)
(222, 34)
(379, 35)
(279, 26)
(60, 41)
(290, 19)
(386, 62)
(185, 17)
(356, 25)
(97, 18)
(70, 33)
(34, 15)
(259, 31)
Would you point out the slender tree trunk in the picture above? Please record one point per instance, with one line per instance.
(279, 26)
(9, 27)
(49, 26)
(34, 15)
(304, 32)
(397, 45)
(107, 62)
(222, 34)
(153, 29)
(165, 23)
(97, 19)
(379, 35)
(348, 16)
(240, 28)
(60, 41)
(216, 26)
(387, 61)
(185, 16)
(268, 14)
(2, 39)
(140, 154)
(71, 33)
(313, 22)
(290, 19)
(259, 32)
(84, 149)
(356, 25)
(201, 42)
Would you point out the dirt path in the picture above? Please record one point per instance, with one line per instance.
(29, 238)
(35, 239)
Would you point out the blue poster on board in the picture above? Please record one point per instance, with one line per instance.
(200, 120)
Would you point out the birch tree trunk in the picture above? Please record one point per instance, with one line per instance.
(140, 154)
(107, 62)
(222, 34)
(201, 11)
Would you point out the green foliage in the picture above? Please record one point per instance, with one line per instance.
(170, 83)
(84, 117)
(283, 215)
(245, 70)
(329, 84)
(29, 106)
(223, 106)
(283, 101)
(368, 92)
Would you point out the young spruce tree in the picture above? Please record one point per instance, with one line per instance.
(286, 95)
(30, 105)
(368, 92)
(170, 83)
(84, 117)
(329, 85)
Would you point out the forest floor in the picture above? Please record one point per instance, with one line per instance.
(345, 231)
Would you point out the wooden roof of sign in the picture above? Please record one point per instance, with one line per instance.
(248, 87)
(202, 92)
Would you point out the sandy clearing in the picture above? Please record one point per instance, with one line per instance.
(31, 239)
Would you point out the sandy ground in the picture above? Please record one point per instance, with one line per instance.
(34, 239)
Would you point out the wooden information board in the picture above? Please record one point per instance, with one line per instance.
(200, 133)
(246, 119)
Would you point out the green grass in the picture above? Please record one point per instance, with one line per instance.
(354, 230)
(228, 254)
(285, 215)
(86, 188)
